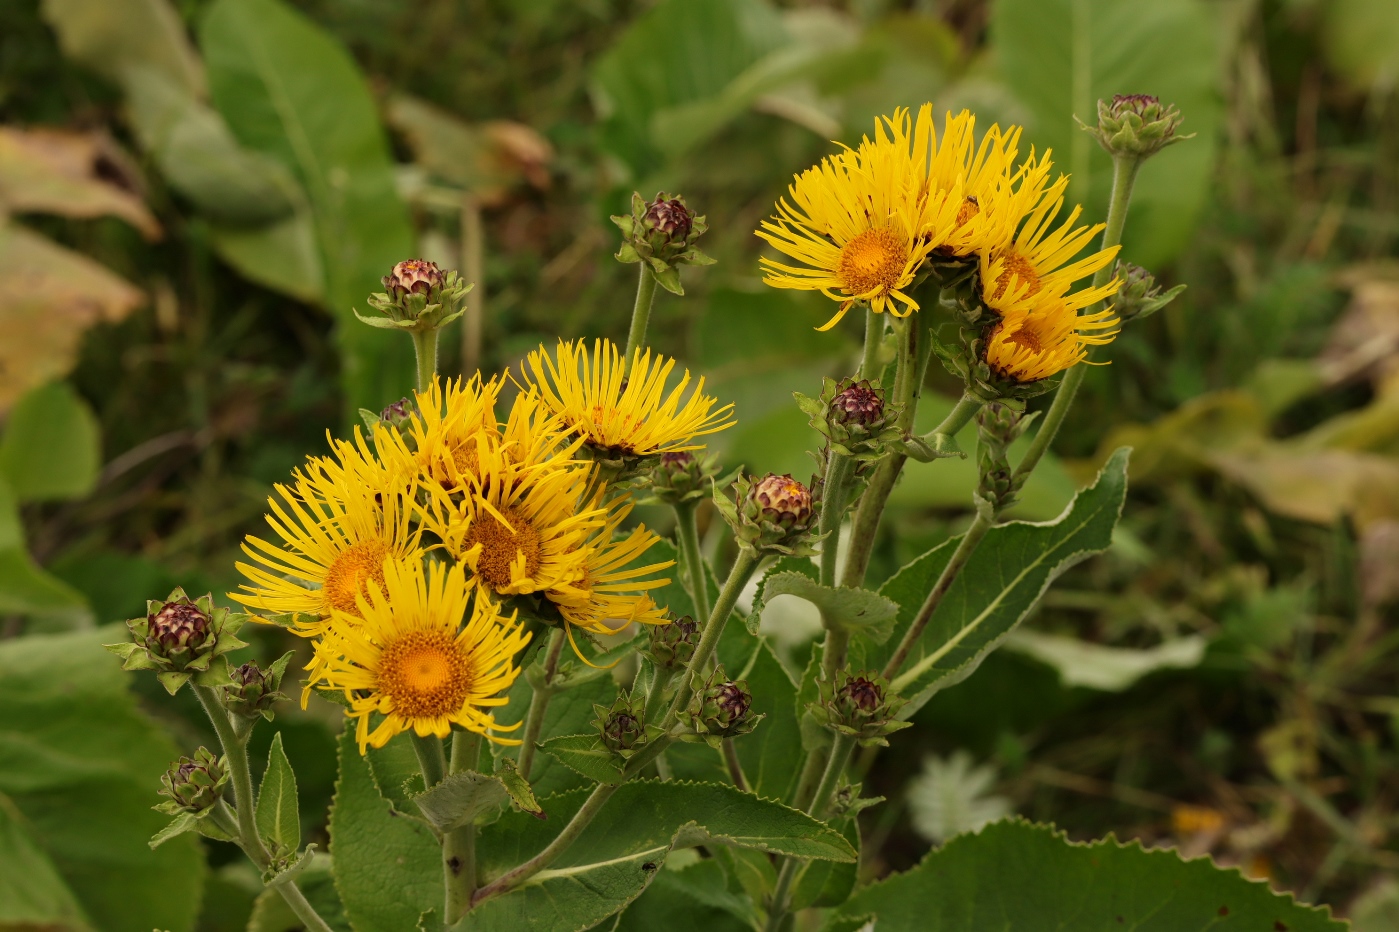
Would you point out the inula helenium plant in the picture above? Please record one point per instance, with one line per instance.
(557, 719)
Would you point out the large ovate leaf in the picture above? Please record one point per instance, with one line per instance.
(80, 763)
(388, 868)
(997, 589)
(586, 755)
(828, 883)
(1061, 56)
(1017, 877)
(116, 37)
(621, 851)
(32, 893)
(460, 798)
(290, 90)
(51, 447)
(60, 172)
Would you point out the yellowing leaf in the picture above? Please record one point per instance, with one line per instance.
(56, 172)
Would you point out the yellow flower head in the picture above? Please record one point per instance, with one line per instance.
(618, 412)
(1048, 339)
(338, 522)
(448, 417)
(520, 526)
(1036, 268)
(864, 220)
(982, 175)
(408, 657)
(611, 593)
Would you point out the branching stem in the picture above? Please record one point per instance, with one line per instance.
(539, 702)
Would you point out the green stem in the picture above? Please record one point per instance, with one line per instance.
(979, 526)
(810, 776)
(459, 847)
(687, 535)
(539, 702)
(743, 567)
(640, 313)
(1124, 176)
(432, 760)
(425, 346)
(960, 415)
(734, 765)
(235, 753)
(660, 679)
(874, 336)
(838, 472)
(830, 778)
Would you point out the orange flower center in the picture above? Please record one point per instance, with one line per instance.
(1027, 338)
(1019, 267)
(425, 673)
(351, 572)
(969, 209)
(872, 262)
(502, 545)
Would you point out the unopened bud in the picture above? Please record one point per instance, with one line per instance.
(414, 276)
(418, 297)
(860, 706)
(662, 233)
(772, 515)
(1139, 295)
(853, 416)
(720, 708)
(622, 727)
(671, 646)
(193, 784)
(178, 629)
(670, 216)
(682, 476)
(1136, 125)
(252, 691)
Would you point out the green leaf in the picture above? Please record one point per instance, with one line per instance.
(586, 755)
(51, 448)
(996, 590)
(1361, 39)
(283, 256)
(317, 882)
(118, 37)
(278, 820)
(858, 611)
(1100, 666)
(516, 786)
(290, 90)
(615, 858)
(694, 898)
(828, 883)
(1017, 877)
(799, 566)
(1061, 56)
(25, 588)
(569, 712)
(32, 892)
(81, 763)
(388, 869)
(460, 798)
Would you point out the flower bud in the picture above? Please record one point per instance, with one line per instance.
(672, 646)
(773, 515)
(622, 727)
(683, 476)
(860, 706)
(1140, 296)
(180, 638)
(1136, 125)
(720, 708)
(998, 425)
(662, 234)
(193, 784)
(418, 297)
(252, 691)
(853, 416)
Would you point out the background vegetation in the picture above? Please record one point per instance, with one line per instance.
(194, 194)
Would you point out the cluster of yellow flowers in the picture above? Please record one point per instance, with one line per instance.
(398, 552)
(865, 222)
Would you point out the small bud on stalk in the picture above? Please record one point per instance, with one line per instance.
(853, 416)
(860, 706)
(720, 708)
(662, 233)
(418, 296)
(1136, 125)
(180, 638)
(252, 691)
(773, 515)
(1140, 296)
(683, 476)
(193, 784)
(623, 727)
(671, 646)
(998, 425)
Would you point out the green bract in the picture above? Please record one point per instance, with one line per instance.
(662, 234)
(180, 639)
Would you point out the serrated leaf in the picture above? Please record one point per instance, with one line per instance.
(278, 820)
(460, 798)
(520, 792)
(828, 883)
(1017, 877)
(695, 898)
(586, 755)
(857, 611)
(998, 588)
(784, 565)
(184, 822)
(615, 858)
(388, 869)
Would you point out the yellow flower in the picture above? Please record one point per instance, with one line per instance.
(338, 522)
(448, 418)
(1035, 269)
(408, 657)
(624, 413)
(520, 526)
(1048, 339)
(611, 594)
(983, 176)
(864, 220)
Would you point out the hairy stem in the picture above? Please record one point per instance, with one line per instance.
(838, 473)
(787, 874)
(303, 908)
(743, 567)
(1124, 176)
(687, 534)
(459, 847)
(425, 347)
(432, 760)
(874, 335)
(734, 765)
(539, 702)
(979, 526)
(640, 313)
(655, 695)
